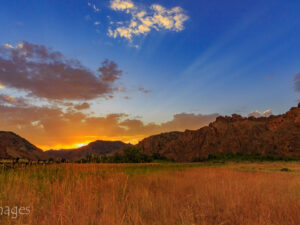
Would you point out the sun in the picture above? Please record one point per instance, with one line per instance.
(80, 145)
(71, 146)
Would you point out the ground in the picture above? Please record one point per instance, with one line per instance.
(151, 194)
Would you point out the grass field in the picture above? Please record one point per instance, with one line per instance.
(162, 194)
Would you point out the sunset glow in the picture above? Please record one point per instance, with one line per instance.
(129, 140)
(134, 112)
(72, 73)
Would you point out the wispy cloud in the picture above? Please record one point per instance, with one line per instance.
(9, 100)
(145, 91)
(94, 7)
(142, 21)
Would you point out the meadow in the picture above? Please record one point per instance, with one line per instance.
(151, 194)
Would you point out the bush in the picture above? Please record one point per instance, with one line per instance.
(236, 157)
(130, 154)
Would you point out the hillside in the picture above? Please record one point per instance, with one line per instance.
(276, 135)
(94, 148)
(13, 146)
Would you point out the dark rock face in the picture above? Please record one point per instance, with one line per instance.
(278, 135)
(13, 146)
(94, 148)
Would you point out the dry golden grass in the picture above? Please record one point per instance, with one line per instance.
(153, 194)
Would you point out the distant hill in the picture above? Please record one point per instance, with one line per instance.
(274, 135)
(13, 146)
(94, 148)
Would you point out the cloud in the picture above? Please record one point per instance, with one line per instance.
(143, 21)
(180, 122)
(109, 71)
(82, 106)
(96, 23)
(52, 126)
(8, 46)
(255, 114)
(94, 7)
(12, 101)
(297, 82)
(258, 114)
(183, 121)
(45, 73)
(267, 113)
(121, 5)
(145, 91)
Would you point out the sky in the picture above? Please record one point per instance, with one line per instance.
(72, 72)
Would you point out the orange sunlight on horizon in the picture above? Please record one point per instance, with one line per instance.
(125, 139)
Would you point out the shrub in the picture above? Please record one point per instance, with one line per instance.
(285, 170)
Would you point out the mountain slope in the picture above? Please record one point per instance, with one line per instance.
(94, 148)
(13, 146)
(277, 135)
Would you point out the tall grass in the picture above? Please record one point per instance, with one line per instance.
(152, 194)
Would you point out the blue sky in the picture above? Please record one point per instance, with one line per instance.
(222, 57)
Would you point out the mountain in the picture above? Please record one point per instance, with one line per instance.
(273, 135)
(94, 148)
(13, 146)
(276, 135)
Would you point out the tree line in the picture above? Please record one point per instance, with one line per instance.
(130, 154)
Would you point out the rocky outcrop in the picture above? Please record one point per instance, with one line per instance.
(13, 146)
(94, 148)
(276, 135)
